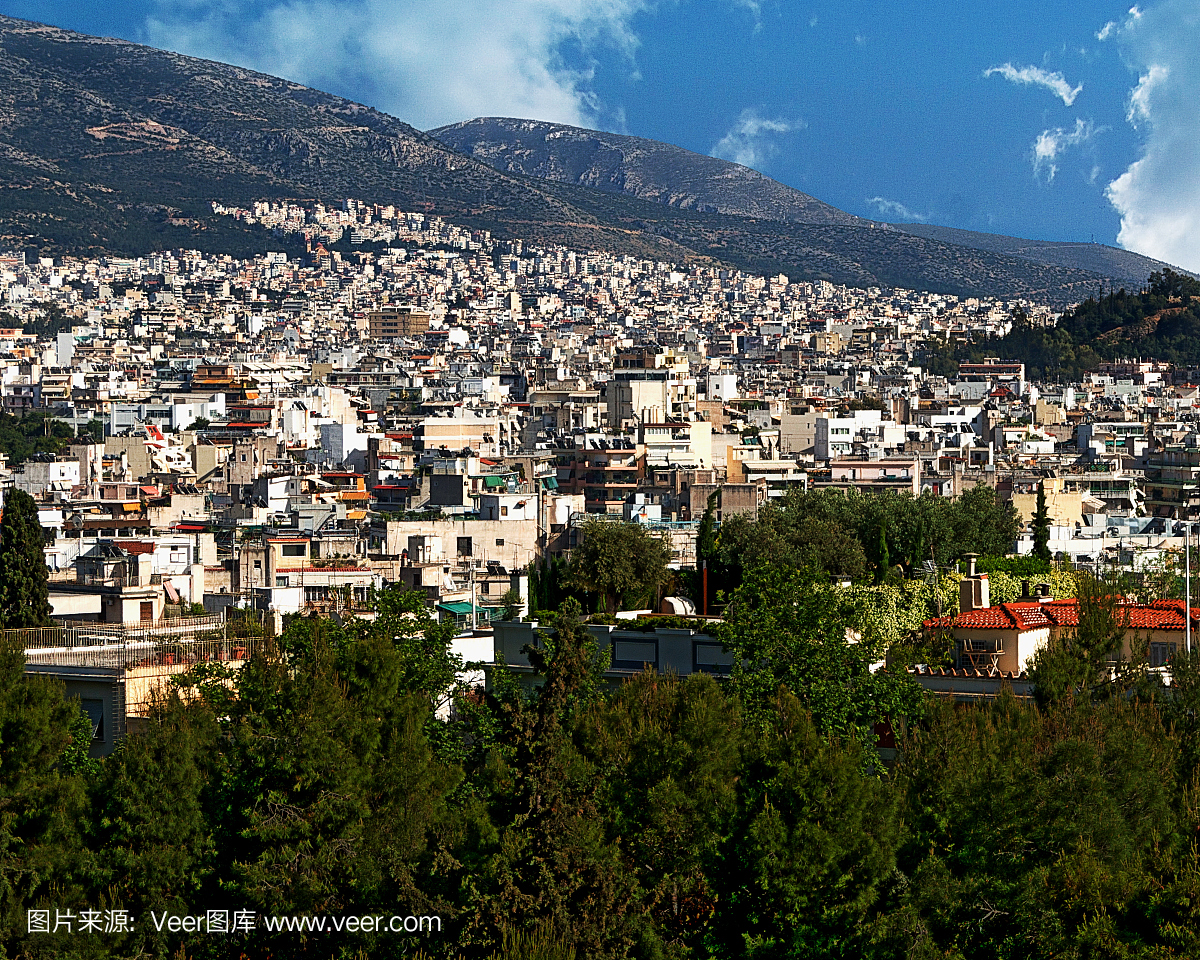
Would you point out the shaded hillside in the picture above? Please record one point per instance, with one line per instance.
(1122, 267)
(110, 146)
(879, 256)
(646, 169)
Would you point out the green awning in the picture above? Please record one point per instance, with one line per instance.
(493, 481)
(549, 483)
(459, 609)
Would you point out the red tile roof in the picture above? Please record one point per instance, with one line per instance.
(136, 546)
(1031, 615)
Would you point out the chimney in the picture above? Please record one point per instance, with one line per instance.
(1025, 594)
(973, 589)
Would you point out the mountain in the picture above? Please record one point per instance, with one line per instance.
(109, 146)
(662, 173)
(1121, 267)
(646, 169)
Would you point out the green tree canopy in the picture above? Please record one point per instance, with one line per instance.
(1081, 662)
(620, 562)
(1161, 322)
(36, 432)
(24, 577)
(788, 630)
(39, 809)
(846, 533)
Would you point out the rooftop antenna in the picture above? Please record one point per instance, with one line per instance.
(1187, 581)
(929, 573)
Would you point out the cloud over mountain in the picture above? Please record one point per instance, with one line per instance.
(1050, 145)
(429, 61)
(750, 141)
(1158, 196)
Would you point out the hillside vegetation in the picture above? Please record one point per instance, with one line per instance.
(1159, 322)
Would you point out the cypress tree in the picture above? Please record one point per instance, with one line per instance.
(1041, 526)
(707, 539)
(24, 579)
(884, 557)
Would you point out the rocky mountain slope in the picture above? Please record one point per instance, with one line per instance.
(646, 169)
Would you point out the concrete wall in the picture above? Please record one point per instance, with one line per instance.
(681, 651)
(733, 499)
(100, 692)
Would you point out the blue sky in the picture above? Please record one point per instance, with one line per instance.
(1043, 120)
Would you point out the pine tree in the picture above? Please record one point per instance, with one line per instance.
(556, 866)
(40, 806)
(1041, 526)
(708, 542)
(24, 589)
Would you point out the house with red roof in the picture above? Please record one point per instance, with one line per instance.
(1003, 638)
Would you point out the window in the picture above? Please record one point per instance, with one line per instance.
(294, 549)
(464, 547)
(257, 564)
(504, 511)
(94, 710)
(499, 543)
(1161, 654)
(281, 581)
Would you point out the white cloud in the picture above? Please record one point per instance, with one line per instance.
(1113, 28)
(1139, 98)
(750, 140)
(1056, 83)
(428, 62)
(1158, 196)
(893, 208)
(1050, 145)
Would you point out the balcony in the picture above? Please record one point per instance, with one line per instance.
(981, 654)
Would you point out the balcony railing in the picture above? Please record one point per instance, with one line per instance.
(981, 654)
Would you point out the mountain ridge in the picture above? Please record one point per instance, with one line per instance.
(619, 163)
(1110, 261)
(676, 177)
